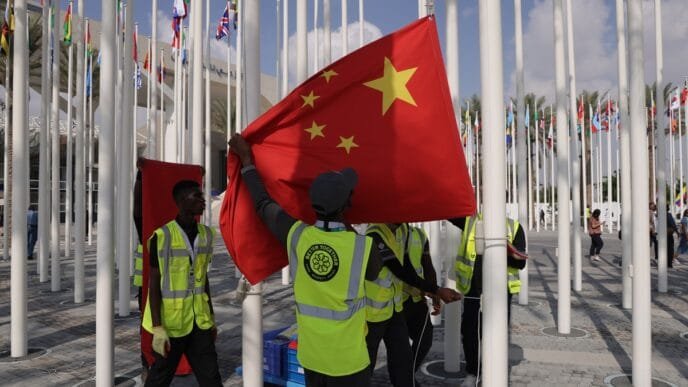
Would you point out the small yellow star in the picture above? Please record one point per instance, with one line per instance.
(316, 130)
(347, 143)
(309, 99)
(328, 74)
(392, 84)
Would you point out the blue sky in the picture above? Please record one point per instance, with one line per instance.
(594, 31)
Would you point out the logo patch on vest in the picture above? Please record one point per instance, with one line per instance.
(321, 262)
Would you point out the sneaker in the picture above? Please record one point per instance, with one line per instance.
(469, 381)
(676, 261)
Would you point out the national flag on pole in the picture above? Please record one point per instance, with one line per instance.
(581, 115)
(223, 25)
(550, 134)
(607, 116)
(88, 78)
(527, 117)
(681, 196)
(135, 43)
(68, 26)
(476, 124)
(89, 44)
(7, 28)
(596, 124)
(176, 36)
(397, 84)
(146, 62)
(510, 115)
(179, 9)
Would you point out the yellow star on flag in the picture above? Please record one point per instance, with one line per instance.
(392, 84)
(316, 130)
(347, 143)
(328, 74)
(309, 99)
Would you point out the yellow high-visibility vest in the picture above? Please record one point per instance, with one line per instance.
(384, 295)
(465, 258)
(328, 269)
(184, 300)
(138, 266)
(414, 248)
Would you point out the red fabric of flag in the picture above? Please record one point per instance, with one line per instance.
(158, 178)
(384, 110)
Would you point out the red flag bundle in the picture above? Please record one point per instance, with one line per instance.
(384, 110)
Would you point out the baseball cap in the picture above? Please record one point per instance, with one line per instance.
(330, 191)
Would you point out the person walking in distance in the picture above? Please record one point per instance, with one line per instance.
(32, 225)
(682, 249)
(595, 232)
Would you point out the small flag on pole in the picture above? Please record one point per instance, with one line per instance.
(223, 25)
(179, 9)
(68, 26)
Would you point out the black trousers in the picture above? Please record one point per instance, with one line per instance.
(471, 332)
(653, 242)
(316, 379)
(199, 348)
(399, 359)
(595, 244)
(419, 329)
(670, 250)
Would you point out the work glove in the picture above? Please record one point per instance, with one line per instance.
(161, 342)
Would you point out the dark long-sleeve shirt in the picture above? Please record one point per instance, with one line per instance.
(519, 242)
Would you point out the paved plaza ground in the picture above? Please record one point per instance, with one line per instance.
(67, 331)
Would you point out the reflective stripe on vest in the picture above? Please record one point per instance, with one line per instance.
(330, 303)
(138, 265)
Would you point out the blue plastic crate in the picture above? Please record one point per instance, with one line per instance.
(294, 384)
(274, 359)
(294, 369)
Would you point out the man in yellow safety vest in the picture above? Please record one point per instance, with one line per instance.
(179, 310)
(469, 281)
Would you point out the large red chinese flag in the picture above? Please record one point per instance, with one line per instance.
(384, 110)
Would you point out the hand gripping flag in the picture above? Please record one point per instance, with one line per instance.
(384, 110)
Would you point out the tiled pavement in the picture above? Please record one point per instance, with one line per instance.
(67, 330)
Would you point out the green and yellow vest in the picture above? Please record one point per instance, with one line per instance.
(415, 244)
(138, 266)
(465, 258)
(184, 300)
(328, 269)
(384, 295)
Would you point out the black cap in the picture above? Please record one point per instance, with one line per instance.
(330, 190)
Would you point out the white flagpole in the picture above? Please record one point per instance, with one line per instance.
(152, 77)
(44, 158)
(531, 217)
(361, 22)
(316, 42)
(70, 151)
(660, 142)
(207, 157)
(229, 78)
(680, 164)
(345, 27)
(163, 128)
(20, 176)
(599, 161)
(564, 236)
(478, 184)
(575, 165)
(610, 226)
(55, 270)
(79, 183)
(554, 205)
(495, 339)
(239, 85)
(642, 329)
(6, 170)
(197, 132)
(106, 167)
(124, 188)
(452, 311)
(252, 323)
(625, 145)
(284, 85)
(584, 168)
(172, 138)
(537, 173)
(91, 132)
(513, 194)
(327, 20)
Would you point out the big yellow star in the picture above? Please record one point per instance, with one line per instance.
(393, 85)
(347, 143)
(316, 130)
(309, 100)
(328, 74)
